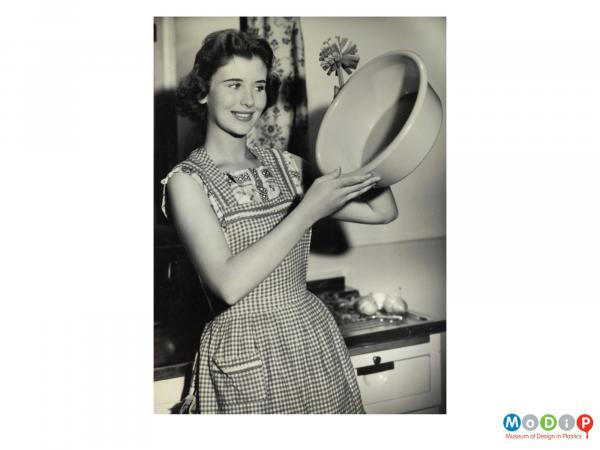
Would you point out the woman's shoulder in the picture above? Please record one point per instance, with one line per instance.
(195, 159)
(190, 165)
(179, 177)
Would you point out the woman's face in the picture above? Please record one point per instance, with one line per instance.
(237, 95)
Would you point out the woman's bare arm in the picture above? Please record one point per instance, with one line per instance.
(234, 276)
(377, 206)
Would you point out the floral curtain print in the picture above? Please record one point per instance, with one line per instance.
(285, 125)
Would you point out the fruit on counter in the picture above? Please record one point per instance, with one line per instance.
(379, 298)
(366, 305)
(395, 304)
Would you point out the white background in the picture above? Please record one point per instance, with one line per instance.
(523, 243)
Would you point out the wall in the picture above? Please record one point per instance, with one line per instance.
(421, 196)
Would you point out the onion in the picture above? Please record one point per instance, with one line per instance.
(395, 305)
(366, 306)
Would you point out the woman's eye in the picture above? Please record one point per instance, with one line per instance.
(235, 85)
(260, 88)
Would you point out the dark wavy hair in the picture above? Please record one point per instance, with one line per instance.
(217, 50)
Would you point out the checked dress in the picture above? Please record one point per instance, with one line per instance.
(278, 349)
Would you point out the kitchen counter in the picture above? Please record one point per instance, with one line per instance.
(396, 336)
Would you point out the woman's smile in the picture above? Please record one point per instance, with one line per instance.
(243, 116)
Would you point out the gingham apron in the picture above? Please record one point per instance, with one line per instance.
(278, 349)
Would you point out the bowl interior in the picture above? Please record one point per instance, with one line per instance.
(368, 113)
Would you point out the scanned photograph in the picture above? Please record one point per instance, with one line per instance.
(299, 215)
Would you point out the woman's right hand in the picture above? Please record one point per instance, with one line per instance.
(332, 191)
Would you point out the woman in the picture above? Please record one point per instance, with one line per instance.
(245, 221)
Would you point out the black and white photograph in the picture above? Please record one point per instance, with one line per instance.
(299, 215)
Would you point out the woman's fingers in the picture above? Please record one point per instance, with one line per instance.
(365, 183)
(354, 179)
(332, 190)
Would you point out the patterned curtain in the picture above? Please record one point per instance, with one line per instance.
(284, 125)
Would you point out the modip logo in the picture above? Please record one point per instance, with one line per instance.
(525, 427)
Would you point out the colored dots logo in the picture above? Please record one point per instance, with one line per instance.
(548, 422)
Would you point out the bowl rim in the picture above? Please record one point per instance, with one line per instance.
(421, 94)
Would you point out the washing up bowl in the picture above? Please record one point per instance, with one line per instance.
(385, 120)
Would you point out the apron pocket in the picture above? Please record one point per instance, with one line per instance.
(239, 381)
